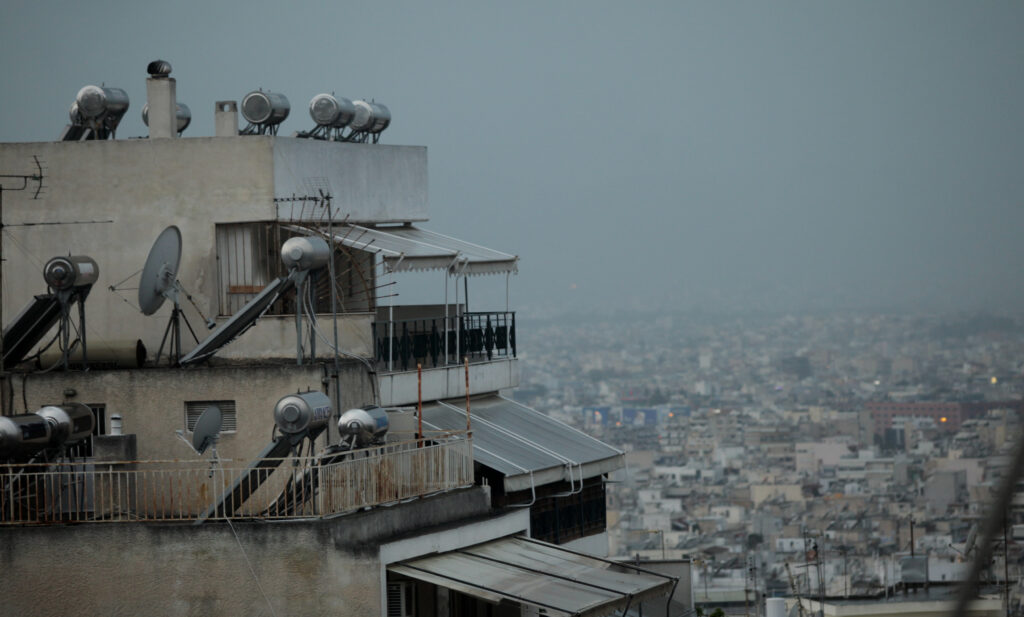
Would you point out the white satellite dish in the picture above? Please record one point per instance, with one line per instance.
(207, 429)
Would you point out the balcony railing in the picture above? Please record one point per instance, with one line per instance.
(162, 491)
(443, 341)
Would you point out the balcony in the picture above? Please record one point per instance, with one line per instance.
(423, 335)
(177, 491)
(437, 340)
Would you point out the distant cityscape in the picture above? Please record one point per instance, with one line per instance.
(836, 455)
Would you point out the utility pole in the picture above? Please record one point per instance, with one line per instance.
(846, 576)
(1006, 559)
(912, 536)
(23, 179)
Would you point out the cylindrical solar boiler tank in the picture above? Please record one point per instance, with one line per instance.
(296, 413)
(23, 435)
(117, 101)
(260, 107)
(62, 273)
(305, 253)
(181, 110)
(368, 425)
(94, 102)
(370, 117)
(330, 110)
(73, 113)
(69, 423)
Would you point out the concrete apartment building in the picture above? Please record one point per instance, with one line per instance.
(473, 505)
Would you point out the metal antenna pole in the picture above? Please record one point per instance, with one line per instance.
(38, 179)
(334, 303)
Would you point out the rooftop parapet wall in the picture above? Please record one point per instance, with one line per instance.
(326, 567)
(368, 183)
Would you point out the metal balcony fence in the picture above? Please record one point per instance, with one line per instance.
(444, 341)
(166, 491)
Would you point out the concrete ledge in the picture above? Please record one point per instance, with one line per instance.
(448, 382)
(307, 567)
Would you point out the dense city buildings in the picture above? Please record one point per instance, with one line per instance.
(829, 455)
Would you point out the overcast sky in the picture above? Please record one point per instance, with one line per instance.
(649, 155)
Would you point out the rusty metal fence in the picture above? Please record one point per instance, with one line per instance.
(167, 491)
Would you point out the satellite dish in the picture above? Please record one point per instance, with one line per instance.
(207, 429)
(160, 271)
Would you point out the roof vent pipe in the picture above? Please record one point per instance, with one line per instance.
(162, 101)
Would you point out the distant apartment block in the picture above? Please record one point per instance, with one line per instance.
(948, 416)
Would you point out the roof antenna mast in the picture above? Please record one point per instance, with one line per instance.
(20, 182)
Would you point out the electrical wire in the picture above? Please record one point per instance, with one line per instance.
(251, 570)
(314, 324)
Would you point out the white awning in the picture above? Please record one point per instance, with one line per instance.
(406, 247)
(539, 574)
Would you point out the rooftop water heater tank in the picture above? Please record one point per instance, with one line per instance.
(305, 253)
(69, 423)
(367, 425)
(63, 273)
(370, 117)
(260, 107)
(306, 411)
(332, 111)
(181, 110)
(95, 102)
(23, 435)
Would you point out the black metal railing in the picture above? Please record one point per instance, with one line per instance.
(443, 341)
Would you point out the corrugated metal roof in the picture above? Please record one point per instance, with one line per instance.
(406, 247)
(524, 445)
(538, 574)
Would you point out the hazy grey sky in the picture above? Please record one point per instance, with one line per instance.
(657, 155)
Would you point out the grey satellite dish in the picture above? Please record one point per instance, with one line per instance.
(160, 271)
(159, 282)
(207, 429)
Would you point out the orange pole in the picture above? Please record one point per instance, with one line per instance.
(419, 403)
(467, 393)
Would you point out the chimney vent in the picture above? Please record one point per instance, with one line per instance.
(225, 118)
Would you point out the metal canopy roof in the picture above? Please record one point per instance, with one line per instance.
(526, 446)
(405, 248)
(539, 574)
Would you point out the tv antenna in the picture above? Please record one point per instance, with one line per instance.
(159, 282)
(22, 182)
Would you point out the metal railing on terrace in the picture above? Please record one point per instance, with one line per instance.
(444, 341)
(168, 491)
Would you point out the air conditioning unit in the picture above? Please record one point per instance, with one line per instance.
(401, 599)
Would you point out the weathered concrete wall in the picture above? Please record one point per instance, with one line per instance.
(273, 336)
(152, 401)
(449, 382)
(142, 186)
(305, 568)
(369, 183)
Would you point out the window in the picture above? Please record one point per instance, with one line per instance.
(401, 599)
(229, 420)
(249, 259)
